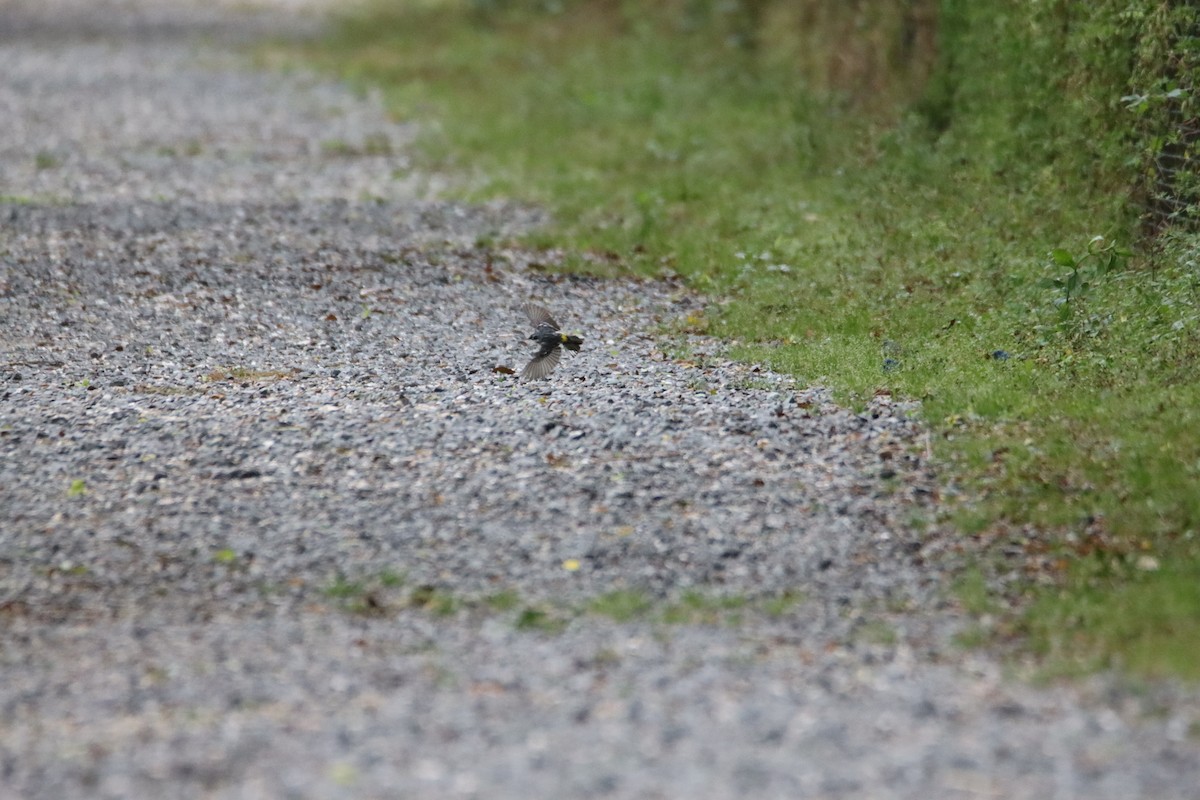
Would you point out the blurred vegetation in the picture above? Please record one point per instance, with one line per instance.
(987, 205)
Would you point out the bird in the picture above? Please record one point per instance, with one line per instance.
(550, 339)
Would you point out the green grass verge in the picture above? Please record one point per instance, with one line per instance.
(1055, 371)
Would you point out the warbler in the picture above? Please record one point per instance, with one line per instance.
(550, 339)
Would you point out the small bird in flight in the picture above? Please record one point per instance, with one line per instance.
(551, 340)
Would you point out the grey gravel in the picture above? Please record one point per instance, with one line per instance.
(259, 419)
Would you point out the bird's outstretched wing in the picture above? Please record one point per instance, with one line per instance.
(542, 364)
(538, 315)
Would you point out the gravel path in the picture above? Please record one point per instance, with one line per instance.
(276, 519)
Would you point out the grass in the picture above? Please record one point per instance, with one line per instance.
(543, 619)
(343, 589)
(46, 160)
(697, 608)
(622, 605)
(22, 200)
(1154, 617)
(373, 145)
(387, 592)
(246, 375)
(864, 256)
(877, 632)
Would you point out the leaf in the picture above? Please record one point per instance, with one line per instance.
(1062, 257)
(77, 488)
(1136, 102)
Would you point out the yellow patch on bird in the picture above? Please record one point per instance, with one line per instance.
(571, 565)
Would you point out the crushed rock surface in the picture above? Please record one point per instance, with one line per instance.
(278, 520)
